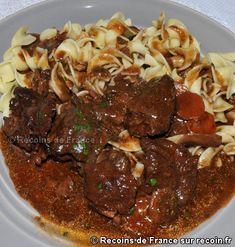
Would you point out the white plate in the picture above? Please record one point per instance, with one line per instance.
(16, 216)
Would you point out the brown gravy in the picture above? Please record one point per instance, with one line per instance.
(43, 188)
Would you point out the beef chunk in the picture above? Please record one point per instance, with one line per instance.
(110, 110)
(40, 81)
(186, 166)
(150, 112)
(170, 179)
(110, 115)
(178, 127)
(109, 184)
(159, 164)
(172, 165)
(149, 212)
(30, 119)
(74, 134)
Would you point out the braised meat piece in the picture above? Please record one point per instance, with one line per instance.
(172, 165)
(186, 166)
(74, 134)
(149, 212)
(170, 180)
(81, 131)
(30, 119)
(150, 112)
(109, 184)
(159, 164)
(178, 127)
(111, 109)
(110, 115)
(40, 81)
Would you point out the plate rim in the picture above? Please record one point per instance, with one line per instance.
(168, 3)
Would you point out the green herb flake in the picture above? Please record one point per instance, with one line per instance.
(81, 148)
(100, 186)
(85, 150)
(65, 234)
(75, 146)
(79, 127)
(132, 210)
(153, 182)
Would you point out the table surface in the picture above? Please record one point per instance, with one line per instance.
(220, 10)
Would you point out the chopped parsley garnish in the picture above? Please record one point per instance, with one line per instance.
(86, 152)
(79, 127)
(100, 186)
(75, 146)
(153, 181)
(132, 210)
(84, 148)
(81, 147)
